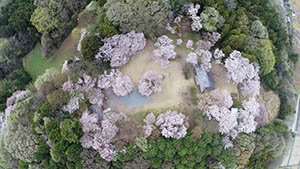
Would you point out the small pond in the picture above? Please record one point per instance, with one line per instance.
(132, 101)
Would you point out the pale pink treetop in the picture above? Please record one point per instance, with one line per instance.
(179, 41)
(205, 59)
(118, 49)
(122, 86)
(99, 134)
(192, 12)
(204, 44)
(192, 58)
(150, 83)
(189, 44)
(165, 50)
(219, 55)
(172, 124)
(241, 72)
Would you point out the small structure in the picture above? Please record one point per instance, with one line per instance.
(203, 79)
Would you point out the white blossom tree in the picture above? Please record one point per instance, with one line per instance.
(150, 83)
(165, 50)
(218, 55)
(189, 44)
(122, 86)
(205, 59)
(192, 12)
(150, 124)
(106, 80)
(172, 124)
(204, 45)
(73, 104)
(241, 72)
(118, 49)
(192, 58)
(98, 134)
(247, 115)
(179, 41)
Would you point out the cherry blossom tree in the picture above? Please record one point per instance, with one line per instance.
(150, 124)
(233, 121)
(247, 115)
(241, 72)
(106, 80)
(192, 58)
(205, 59)
(218, 55)
(250, 88)
(118, 49)
(96, 97)
(179, 41)
(204, 44)
(122, 86)
(172, 124)
(150, 83)
(192, 12)
(239, 69)
(98, 134)
(189, 44)
(73, 104)
(164, 51)
(214, 37)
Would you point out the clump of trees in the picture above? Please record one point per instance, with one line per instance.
(148, 17)
(171, 123)
(55, 20)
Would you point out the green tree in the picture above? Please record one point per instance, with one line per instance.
(71, 130)
(105, 28)
(90, 46)
(141, 16)
(211, 19)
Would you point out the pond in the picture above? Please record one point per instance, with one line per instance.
(132, 101)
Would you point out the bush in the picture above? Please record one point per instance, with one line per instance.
(105, 28)
(90, 46)
(71, 130)
(101, 3)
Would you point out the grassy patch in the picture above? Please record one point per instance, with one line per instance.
(36, 64)
(194, 97)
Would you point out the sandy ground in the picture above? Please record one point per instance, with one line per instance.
(174, 84)
(218, 73)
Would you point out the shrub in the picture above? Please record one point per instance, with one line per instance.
(71, 130)
(90, 46)
(105, 28)
(101, 3)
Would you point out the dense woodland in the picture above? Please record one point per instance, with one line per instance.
(50, 121)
